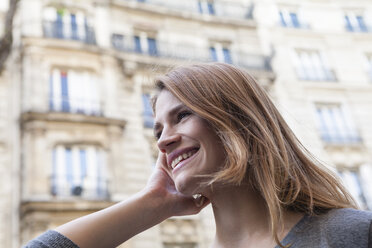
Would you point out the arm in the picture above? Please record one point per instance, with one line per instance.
(118, 223)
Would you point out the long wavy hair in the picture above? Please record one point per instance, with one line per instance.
(261, 148)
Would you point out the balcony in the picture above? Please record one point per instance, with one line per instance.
(291, 20)
(215, 8)
(316, 74)
(357, 24)
(338, 139)
(76, 106)
(191, 53)
(60, 30)
(93, 189)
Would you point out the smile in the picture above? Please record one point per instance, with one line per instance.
(183, 157)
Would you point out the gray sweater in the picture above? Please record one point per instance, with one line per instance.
(339, 228)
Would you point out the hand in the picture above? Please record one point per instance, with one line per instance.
(162, 188)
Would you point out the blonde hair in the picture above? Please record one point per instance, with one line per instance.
(261, 149)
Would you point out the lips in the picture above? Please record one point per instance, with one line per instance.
(180, 155)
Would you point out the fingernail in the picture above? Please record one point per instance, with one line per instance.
(199, 201)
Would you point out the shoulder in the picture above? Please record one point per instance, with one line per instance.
(345, 227)
(346, 217)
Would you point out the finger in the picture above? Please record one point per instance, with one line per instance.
(198, 204)
(161, 161)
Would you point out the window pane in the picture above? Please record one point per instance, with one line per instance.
(59, 26)
(349, 27)
(117, 41)
(362, 25)
(74, 92)
(200, 7)
(69, 173)
(147, 111)
(74, 28)
(227, 56)
(210, 8)
(54, 172)
(322, 125)
(294, 20)
(64, 92)
(335, 126)
(213, 53)
(152, 46)
(79, 171)
(282, 20)
(137, 44)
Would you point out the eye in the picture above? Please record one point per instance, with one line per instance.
(182, 115)
(157, 135)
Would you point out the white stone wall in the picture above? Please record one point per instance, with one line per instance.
(26, 151)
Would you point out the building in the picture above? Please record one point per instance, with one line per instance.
(75, 118)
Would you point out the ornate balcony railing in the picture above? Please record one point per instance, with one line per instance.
(193, 53)
(76, 105)
(316, 74)
(220, 8)
(338, 139)
(93, 189)
(59, 30)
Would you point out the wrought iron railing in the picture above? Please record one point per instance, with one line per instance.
(222, 8)
(338, 139)
(192, 53)
(316, 74)
(60, 30)
(76, 105)
(63, 188)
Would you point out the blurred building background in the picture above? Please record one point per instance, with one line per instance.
(75, 118)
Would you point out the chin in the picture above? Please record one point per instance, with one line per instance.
(186, 187)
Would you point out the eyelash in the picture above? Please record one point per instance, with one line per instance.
(180, 116)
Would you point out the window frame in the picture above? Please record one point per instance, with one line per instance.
(70, 176)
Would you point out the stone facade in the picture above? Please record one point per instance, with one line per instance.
(75, 128)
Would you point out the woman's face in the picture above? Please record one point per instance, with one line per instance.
(190, 144)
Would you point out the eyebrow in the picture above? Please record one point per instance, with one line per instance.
(174, 110)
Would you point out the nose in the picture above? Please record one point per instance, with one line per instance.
(168, 139)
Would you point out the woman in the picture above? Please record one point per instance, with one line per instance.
(221, 137)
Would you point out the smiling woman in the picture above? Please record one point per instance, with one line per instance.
(254, 170)
(221, 138)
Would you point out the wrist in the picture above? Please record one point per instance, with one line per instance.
(157, 201)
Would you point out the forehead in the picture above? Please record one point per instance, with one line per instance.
(165, 102)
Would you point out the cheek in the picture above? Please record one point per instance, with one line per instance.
(216, 152)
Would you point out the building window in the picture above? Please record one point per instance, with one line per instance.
(290, 19)
(335, 125)
(206, 7)
(79, 171)
(220, 53)
(74, 92)
(62, 24)
(180, 245)
(311, 65)
(117, 41)
(357, 182)
(369, 65)
(144, 44)
(355, 23)
(148, 118)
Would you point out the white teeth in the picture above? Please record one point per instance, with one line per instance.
(180, 158)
